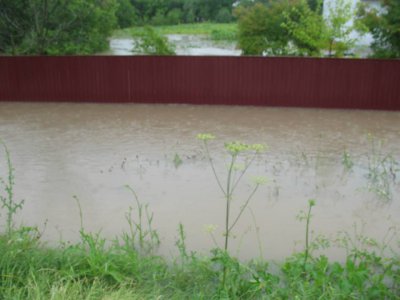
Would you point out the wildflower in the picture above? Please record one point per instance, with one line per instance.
(210, 228)
(258, 148)
(236, 147)
(259, 180)
(205, 136)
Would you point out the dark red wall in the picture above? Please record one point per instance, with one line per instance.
(301, 82)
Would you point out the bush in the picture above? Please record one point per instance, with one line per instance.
(224, 15)
(174, 16)
(126, 14)
(151, 43)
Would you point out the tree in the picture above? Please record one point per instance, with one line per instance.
(306, 28)
(49, 27)
(174, 16)
(13, 25)
(315, 5)
(151, 43)
(339, 26)
(384, 24)
(293, 27)
(259, 28)
(126, 14)
(224, 15)
(314, 34)
(162, 12)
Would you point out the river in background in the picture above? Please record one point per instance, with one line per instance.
(93, 150)
(184, 45)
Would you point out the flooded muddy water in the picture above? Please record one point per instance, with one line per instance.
(346, 160)
(184, 44)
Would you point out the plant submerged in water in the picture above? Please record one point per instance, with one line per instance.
(150, 42)
(382, 170)
(234, 176)
(307, 217)
(142, 236)
(235, 173)
(7, 201)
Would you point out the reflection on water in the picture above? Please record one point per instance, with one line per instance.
(92, 151)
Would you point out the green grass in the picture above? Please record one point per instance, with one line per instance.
(216, 31)
(91, 270)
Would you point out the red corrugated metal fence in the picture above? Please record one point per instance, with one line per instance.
(300, 82)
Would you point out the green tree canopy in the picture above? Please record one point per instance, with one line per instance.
(126, 14)
(163, 12)
(306, 28)
(384, 24)
(151, 43)
(259, 28)
(51, 27)
(339, 26)
(293, 27)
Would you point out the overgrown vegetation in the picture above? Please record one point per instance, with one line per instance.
(235, 172)
(296, 27)
(172, 12)
(128, 268)
(209, 29)
(7, 200)
(382, 170)
(266, 27)
(151, 43)
(384, 24)
(54, 27)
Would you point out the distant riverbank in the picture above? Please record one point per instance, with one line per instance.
(187, 39)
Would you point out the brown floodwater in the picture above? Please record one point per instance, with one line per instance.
(92, 151)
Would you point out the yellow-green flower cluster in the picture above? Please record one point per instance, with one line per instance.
(259, 180)
(235, 147)
(205, 136)
(210, 228)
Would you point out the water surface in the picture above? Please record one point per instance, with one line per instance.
(184, 45)
(94, 150)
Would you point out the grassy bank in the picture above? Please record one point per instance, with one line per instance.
(215, 31)
(92, 270)
(128, 266)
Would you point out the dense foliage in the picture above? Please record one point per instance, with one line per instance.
(149, 42)
(51, 27)
(384, 24)
(265, 27)
(170, 12)
(295, 27)
(260, 30)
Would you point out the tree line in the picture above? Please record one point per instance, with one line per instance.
(265, 27)
(299, 27)
(171, 12)
(51, 27)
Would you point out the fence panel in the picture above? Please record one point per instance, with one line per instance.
(300, 82)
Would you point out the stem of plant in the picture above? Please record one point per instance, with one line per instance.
(227, 211)
(234, 149)
(213, 167)
(311, 203)
(228, 201)
(7, 201)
